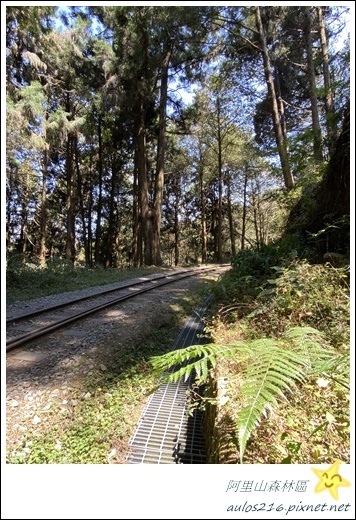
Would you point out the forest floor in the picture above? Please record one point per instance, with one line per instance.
(76, 396)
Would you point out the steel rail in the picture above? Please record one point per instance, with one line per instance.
(20, 340)
(37, 312)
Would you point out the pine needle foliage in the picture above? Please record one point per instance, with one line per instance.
(269, 370)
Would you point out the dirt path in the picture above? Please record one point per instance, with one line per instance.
(48, 382)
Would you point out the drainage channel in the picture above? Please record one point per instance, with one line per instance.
(166, 433)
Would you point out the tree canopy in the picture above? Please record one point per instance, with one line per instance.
(143, 135)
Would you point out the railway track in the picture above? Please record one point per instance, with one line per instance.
(44, 321)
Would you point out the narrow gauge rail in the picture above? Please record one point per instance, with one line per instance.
(17, 341)
(128, 285)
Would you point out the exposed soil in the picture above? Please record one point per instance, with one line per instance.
(48, 381)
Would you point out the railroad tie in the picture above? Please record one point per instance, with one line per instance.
(166, 433)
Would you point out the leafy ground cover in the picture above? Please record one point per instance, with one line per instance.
(262, 297)
(92, 422)
(281, 347)
(28, 281)
(104, 409)
(312, 423)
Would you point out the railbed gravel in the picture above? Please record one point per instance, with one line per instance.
(49, 374)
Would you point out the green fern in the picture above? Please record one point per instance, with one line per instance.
(307, 341)
(179, 364)
(269, 369)
(320, 360)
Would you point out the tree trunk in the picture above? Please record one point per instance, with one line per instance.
(214, 226)
(220, 173)
(9, 219)
(147, 213)
(112, 220)
(231, 222)
(136, 221)
(255, 221)
(90, 215)
(244, 211)
(329, 97)
(318, 153)
(280, 141)
(81, 205)
(70, 240)
(43, 210)
(24, 220)
(176, 220)
(161, 148)
(281, 108)
(100, 196)
(116, 256)
(204, 235)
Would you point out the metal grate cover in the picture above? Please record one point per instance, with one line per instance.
(166, 434)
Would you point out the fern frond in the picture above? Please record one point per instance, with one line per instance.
(336, 368)
(271, 372)
(308, 341)
(199, 358)
(302, 333)
(269, 369)
(181, 373)
(339, 364)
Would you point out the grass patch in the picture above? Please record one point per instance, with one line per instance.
(312, 424)
(101, 414)
(95, 426)
(28, 281)
(277, 372)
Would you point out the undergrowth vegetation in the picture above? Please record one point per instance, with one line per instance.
(102, 410)
(276, 372)
(25, 281)
(280, 345)
(94, 422)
